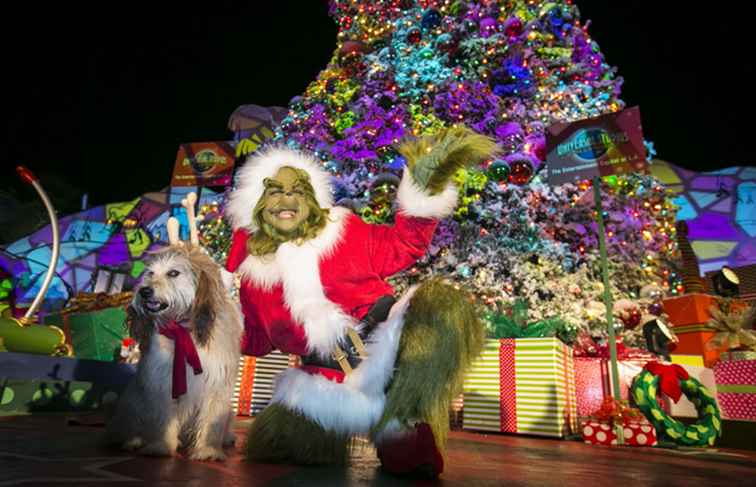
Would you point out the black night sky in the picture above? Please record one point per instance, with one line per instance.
(99, 98)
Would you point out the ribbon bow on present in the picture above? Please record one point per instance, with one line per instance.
(614, 411)
(730, 327)
(669, 378)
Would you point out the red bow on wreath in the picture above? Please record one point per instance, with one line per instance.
(669, 378)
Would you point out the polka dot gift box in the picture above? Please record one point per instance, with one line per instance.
(600, 429)
(736, 388)
(635, 433)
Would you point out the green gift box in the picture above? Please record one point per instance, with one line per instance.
(18, 396)
(94, 334)
(523, 385)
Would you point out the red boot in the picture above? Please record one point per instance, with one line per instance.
(412, 453)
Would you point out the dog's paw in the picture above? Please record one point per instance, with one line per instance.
(208, 453)
(158, 449)
(132, 444)
(229, 440)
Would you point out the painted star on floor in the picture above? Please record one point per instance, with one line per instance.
(27, 469)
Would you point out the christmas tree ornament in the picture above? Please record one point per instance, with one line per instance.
(431, 19)
(521, 170)
(498, 170)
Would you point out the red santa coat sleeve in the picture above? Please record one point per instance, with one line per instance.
(238, 251)
(255, 340)
(394, 248)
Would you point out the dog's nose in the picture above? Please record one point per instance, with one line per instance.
(146, 292)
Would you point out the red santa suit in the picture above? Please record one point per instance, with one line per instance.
(302, 298)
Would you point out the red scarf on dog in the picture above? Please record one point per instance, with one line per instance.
(185, 352)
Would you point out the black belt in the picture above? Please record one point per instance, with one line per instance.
(377, 314)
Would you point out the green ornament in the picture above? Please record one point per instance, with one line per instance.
(612, 181)
(499, 170)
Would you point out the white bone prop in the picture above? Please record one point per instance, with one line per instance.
(172, 227)
(188, 204)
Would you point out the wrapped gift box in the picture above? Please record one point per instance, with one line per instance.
(593, 378)
(524, 385)
(693, 340)
(635, 433)
(255, 380)
(736, 389)
(688, 309)
(684, 408)
(95, 334)
(731, 355)
(695, 360)
(19, 396)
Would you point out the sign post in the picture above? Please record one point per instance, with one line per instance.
(589, 149)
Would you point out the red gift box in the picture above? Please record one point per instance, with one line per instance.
(636, 433)
(592, 379)
(693, 309)
(688, 309)
(736, 389)
(693, 340)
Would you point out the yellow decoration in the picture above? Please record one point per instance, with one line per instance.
(711, 249)
(661, 171)
(694, 360)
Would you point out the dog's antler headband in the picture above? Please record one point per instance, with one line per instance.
(173, 225)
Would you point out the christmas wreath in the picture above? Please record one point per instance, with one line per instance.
(673, 381)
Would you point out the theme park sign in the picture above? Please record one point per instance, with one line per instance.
(204, 164)
(601, 146)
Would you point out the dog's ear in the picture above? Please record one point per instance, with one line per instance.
(207, 301)
(140, 328)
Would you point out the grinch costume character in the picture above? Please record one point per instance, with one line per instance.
(313, 284)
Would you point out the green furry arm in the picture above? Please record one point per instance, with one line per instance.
(434, 159)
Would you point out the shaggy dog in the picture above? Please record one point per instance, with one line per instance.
(181, 286)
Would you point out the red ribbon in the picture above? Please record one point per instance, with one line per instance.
(669, 378)
(185, 352)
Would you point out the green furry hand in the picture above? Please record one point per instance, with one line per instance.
(434, 159)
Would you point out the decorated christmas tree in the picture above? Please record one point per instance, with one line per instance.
(507, 69)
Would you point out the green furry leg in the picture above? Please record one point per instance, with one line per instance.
(442, 335)
(279, 435)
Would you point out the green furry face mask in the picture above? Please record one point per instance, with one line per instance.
(284, 201)
(286, 211)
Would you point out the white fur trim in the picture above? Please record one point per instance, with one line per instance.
(262, 271)
(418, 202)
(265, 164)
(356, 405)
(297, 267)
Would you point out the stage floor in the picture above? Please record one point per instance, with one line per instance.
(50, 450)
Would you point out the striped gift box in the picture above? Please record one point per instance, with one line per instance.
(255, 378)
(524, 385)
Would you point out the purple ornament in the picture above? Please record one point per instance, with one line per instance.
(655, 309)
(508, 129)
(487, 27)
